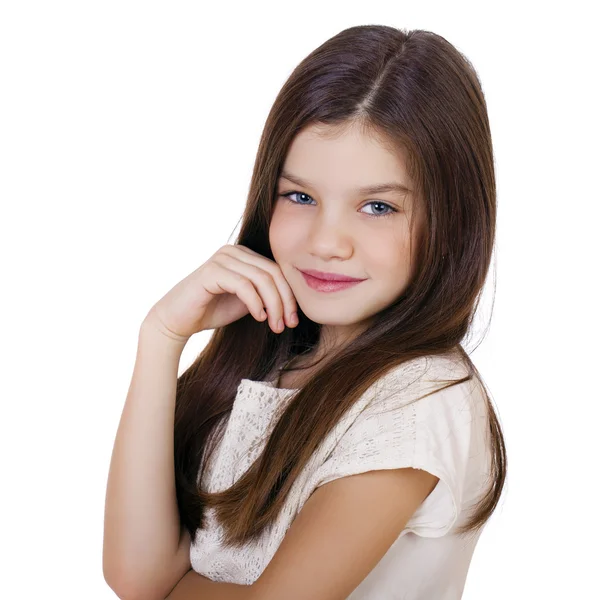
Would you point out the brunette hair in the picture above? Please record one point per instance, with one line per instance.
(415, 91)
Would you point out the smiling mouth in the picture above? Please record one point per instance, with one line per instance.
(322, 285)
(329, 276)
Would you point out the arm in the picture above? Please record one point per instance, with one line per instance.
(194, 586)
(341, 533)
(144, 551)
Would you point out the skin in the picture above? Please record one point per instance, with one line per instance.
(330, 230)
(330, 227)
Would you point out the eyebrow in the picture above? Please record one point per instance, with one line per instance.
(369, 189)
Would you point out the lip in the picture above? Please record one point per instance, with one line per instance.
(329, 276)
(321, 285)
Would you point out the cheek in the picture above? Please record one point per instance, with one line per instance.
(389, 251)
(281, 234)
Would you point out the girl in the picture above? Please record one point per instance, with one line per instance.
(333, 439)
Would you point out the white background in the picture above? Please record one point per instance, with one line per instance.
(128, 132)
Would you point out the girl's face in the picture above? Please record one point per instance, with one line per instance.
(328, 224)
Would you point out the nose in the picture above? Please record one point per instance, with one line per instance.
(328, 239)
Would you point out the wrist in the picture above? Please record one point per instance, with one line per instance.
(154, 331)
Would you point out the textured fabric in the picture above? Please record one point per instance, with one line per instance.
(390, 427)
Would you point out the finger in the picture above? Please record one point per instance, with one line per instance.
(263, 283)
(285, 291)
(235, 283)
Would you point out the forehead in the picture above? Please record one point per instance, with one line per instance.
(348, 158)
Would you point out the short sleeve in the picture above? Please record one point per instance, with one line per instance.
(414, 422)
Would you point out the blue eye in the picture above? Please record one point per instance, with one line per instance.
(392, 210)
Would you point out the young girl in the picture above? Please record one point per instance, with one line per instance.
(333, 439)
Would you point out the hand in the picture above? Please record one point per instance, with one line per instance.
(235, 281)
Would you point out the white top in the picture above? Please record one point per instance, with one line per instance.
(444, 433)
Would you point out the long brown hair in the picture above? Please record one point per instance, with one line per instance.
(417, 92)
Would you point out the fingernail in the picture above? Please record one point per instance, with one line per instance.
(294, 318)
(280, 325)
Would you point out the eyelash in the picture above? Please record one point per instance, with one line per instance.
(388, 214)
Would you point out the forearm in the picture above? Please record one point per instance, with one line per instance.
(141, 526)
(193, 586)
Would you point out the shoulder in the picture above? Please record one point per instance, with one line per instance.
(436, 366)
(421, 377)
